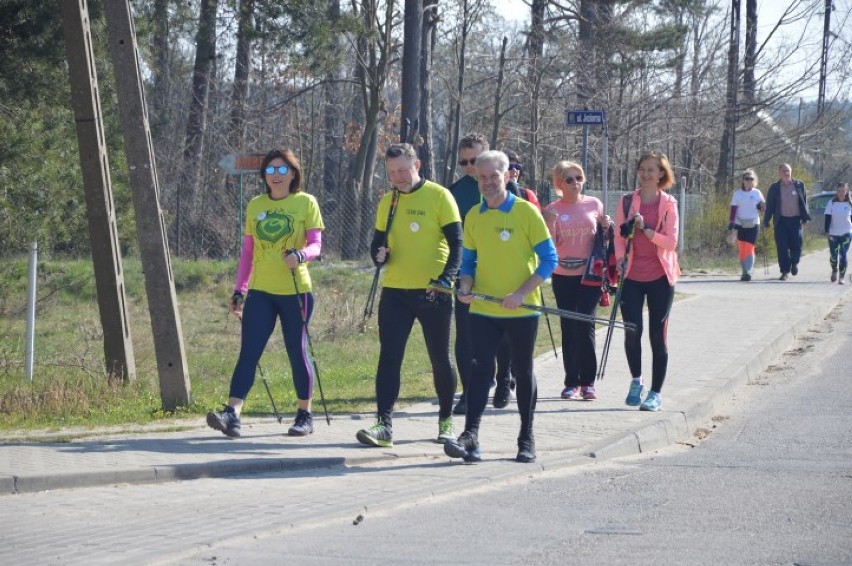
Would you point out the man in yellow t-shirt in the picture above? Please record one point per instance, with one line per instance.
(418, 239)
(507, 253)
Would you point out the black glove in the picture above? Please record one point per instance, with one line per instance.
(237, 300)
(731, 226)
(300, 255)
(627, 228)
(435, 296)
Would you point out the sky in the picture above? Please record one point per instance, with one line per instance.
(810, 14)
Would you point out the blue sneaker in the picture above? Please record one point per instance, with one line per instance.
(634, 396)
(652, 402)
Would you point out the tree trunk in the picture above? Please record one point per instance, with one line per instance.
(334, 185)
(749, 86)
(205, 50)
(160, 71)
(456, 115)
(536, 51)
(411, 66)
(498, 93)
(427, 47)
(727, 150)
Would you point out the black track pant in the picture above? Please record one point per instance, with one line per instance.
(660, 296)
(398, 309)
(486, 334)
(578, 337)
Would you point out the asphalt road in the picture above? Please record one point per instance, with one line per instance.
(768, 482)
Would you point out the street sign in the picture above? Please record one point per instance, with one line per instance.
(585, 117)
(246, 164)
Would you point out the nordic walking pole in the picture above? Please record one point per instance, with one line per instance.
(371, 298)
(615, 304)
(303, 314)
(562, 313)
(238, 310)
(547, 320)
(268, 392)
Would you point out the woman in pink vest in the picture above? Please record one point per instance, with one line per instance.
(645, 253)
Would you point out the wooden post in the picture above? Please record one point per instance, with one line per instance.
(100, 210)
(150, 229)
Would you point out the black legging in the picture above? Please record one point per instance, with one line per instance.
(660, 296)
(578, 337)
(398, 309)
(486, 333)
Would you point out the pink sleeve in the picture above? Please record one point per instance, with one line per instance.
(313, 244)
(244, 266)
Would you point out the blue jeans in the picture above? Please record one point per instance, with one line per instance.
(260, 312)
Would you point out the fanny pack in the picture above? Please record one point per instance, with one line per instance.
(747, 223)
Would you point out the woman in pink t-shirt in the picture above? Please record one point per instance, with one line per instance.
(651, 270)
(573, 221)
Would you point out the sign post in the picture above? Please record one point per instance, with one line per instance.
(238, 166)
(588, 118)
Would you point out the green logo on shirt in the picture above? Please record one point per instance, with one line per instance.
(274, 226)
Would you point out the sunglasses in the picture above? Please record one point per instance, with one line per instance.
(516, 167)
(748, 178)
(570, 179)
(466, 162)
(281, 170)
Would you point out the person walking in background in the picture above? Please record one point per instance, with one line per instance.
(650, 219)
(465, 191)
(787, 203)
(746, 205)
(423, 248)
(573, 221)
(283, 233)
(507, 253)
(838, 226)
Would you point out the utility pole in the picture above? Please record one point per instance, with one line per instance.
(172, 367)
(100, 208)
(823, 65)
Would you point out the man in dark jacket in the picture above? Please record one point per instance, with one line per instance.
(787, 202)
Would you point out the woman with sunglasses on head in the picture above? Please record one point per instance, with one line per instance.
(573, 221)
(283, 233)
(648, 221)
(746, 206)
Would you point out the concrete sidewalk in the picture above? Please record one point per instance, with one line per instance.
(722, 334)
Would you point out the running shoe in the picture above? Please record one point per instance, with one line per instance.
(526, 450)
(794, 269)
(227, 422)
(588, 393)
(634, 396)
(570, 393)
(304, 424)
(461, 406)
(841, 282)
(652, 402)
(380, 434)
(783, 277)
(466, 448)
(834, 275)
(502, 394)
(446, 430)
(745, 277)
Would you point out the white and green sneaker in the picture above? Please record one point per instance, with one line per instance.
(446, 430)
(380, 434)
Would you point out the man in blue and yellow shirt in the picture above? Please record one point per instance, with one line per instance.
(507, 253)
(421, 247)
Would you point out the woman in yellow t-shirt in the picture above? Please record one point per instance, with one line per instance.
(283, 233)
